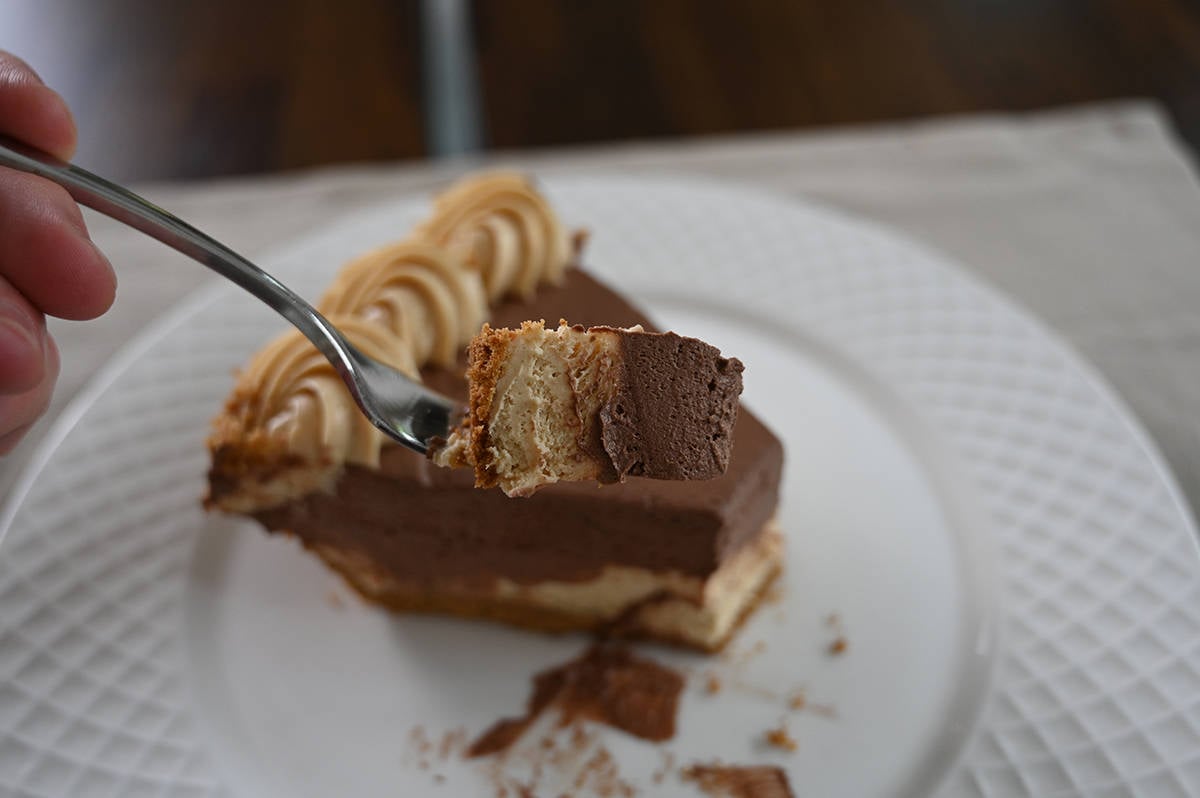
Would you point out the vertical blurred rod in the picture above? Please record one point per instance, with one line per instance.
(451, 91)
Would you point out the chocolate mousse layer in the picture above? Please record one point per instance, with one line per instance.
(674, 409)
(413, 521)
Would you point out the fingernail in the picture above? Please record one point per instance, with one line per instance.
(107, 262)
(103, 258)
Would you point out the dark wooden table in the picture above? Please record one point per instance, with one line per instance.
(185, 89)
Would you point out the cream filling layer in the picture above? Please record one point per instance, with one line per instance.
(543, 422)
(698, 611)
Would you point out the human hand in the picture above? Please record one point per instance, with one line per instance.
(48, 265)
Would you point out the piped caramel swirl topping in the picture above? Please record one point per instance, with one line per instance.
(420, 292)
(504, 230)
(294, 395)
(408, 304)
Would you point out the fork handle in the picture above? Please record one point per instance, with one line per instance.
(128, 208)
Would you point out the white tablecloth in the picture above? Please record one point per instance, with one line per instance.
(1090, 217)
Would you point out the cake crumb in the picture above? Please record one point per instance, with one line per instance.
(452, 742)
(420, 739)
(773, 594)
(798, 700)
(335, 600)
(419, 747)
(727, 781)
(666, 765)
(438, 778)
(712, 684)
(740, 658)
(779, 738)
(824, 710)
(580, 737)
(839, 644)
(756, 690)
(567, 760)
(601, 775)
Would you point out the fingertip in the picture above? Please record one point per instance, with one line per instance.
(33, 112)
(88, 284)
(45, 251)
(59, 135)
(98, 283)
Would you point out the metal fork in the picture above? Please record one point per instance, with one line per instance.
(401, 407)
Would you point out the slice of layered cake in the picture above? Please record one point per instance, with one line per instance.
(671, 560)
(596, 403)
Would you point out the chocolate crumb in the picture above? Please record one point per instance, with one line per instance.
(726, 781)
(838, 646)
(439, 778)
(502, 734)
(779, 738)
(607, 684)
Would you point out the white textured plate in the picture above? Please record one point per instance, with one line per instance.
(939, 443)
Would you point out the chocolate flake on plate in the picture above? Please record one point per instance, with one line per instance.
(607, 684)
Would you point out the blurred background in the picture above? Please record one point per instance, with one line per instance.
(180, 89)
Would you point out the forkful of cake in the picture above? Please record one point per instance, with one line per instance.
(600, 403)
(546, 405)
